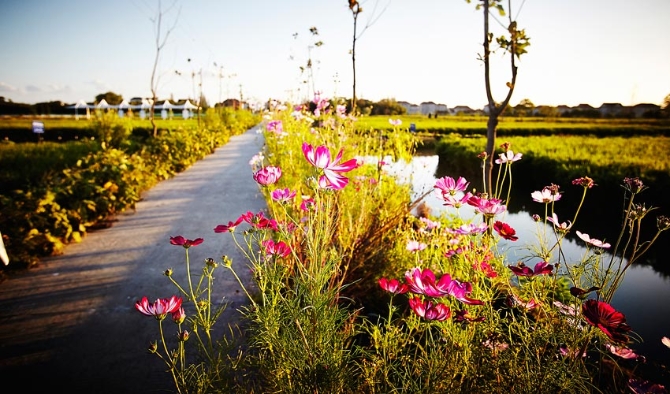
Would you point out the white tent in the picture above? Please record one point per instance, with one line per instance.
(123, 106)
(81, 104)
(167, 105)
(186, 109)
(103, 105)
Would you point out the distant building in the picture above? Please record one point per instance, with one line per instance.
(462, 110)
(411, 109)
(646, 110)
(428, 107)
(610, 109)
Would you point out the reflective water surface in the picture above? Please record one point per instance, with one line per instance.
(644, 296)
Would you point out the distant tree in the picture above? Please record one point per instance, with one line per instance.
(160, 41)
(515, 46)
(356, 9)
(665, 107)
(110, 97)
(388, 106)
(524, 108)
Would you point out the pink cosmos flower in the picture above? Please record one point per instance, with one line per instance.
(283, 195)
(584, 181)
(470, 228)
(621, 351)
(559, 226)
(415, 246)
(185, 243)
(279, 249)
(395, 122)
(505, 231)
(341, 111)
(514, 301)
(541, 268)
(307, 204)
(508, 157)
(487, 206)
(449, 186)
(428, 310)
(160, 308)
(259, 220)
(267, 175)
(321, 103)
(424, 282)
(275, 126)
(495, 345)
(545, 196)
(430, 225)
(610, 321)
(666, 341)
(393, 286)
(455, 201)
(332, 170)
(592, 241)
(460, 291)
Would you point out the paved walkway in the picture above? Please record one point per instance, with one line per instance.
(70, 324)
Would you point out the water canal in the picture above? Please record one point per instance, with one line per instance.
(644, 296)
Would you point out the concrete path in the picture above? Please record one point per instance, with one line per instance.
(70, 324)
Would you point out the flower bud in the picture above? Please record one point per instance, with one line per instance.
(168, 272)
(183, 336)
(153, 347)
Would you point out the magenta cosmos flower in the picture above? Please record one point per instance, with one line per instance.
(610, 321)
(428, 310)
(424, 282)
(448, 186)
(505, 231)
(393, 286)
(160, 308)
(283, 195)
(230, 227)
(279, 249)
(267, 175)
(487, 206)
(541, 268)
(186, 243)
(320, 158)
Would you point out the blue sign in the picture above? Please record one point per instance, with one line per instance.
(38, 127)
(412, 127)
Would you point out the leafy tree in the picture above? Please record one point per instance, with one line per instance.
(388, 106)
(515, 45)
(666, 105)
(110, 97)
(524, 108)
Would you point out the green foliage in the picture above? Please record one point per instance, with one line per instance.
(111, 130)
(52, 193)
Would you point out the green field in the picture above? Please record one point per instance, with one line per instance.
(520, 126)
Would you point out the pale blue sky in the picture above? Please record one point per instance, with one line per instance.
(582, 51)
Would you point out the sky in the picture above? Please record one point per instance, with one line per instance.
(582, 51)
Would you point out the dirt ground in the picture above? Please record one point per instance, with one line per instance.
(70, 324)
